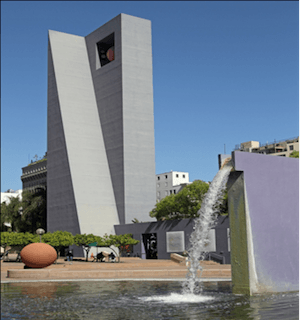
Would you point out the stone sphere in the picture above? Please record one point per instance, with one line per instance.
(38, 255)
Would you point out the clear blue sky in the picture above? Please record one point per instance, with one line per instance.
(223, 73)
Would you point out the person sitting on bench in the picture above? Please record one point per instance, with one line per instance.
(112, 257)
(100, 257)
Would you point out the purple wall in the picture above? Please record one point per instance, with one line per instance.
(272, 190)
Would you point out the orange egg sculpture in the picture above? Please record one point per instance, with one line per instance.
(38, 255)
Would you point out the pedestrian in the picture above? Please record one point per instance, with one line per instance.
(70, 255)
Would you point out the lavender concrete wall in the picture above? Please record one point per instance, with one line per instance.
(271, 187)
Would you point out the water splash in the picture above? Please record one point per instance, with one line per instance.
(199, 238)
(175, 298)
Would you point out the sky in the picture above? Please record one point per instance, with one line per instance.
(224, 72)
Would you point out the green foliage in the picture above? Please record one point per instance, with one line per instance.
(5, 239)
(34, 211)
(122, 241)
(17, 240)
(38, 161)
(106, 241)
(61, 239)
(84, 240)
(294, 154)
(184, 205)
(164, 209)
(10, 213)
(58, 239)
(26, 215)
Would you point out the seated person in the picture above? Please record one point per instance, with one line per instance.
(112, 257)
(93, 257)
(100, 257)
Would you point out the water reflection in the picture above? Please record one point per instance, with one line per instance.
(134, 300)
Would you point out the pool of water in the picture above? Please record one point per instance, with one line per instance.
(140, 300)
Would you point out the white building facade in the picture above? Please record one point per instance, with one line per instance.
(5, 196)
(170, 183)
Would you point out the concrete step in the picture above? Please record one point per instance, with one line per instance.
(39, 274)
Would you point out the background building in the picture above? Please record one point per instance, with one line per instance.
(5, 196)
(170, 183)
(34, 176)
(101, 161)
(278, 148)
(161, 238)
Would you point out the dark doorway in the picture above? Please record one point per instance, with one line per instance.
(150, 244)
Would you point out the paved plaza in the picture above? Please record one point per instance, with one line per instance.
(127, 269)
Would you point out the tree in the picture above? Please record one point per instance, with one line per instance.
(164, 209)
(26, 215)
(34, 208)
(294, 154)
(17, 240)
(5, 239)
(119, 241)
(84, 240)
(58, 239)
(184, 205)
(11, 213)
(107, 241)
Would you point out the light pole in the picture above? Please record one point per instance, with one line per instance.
(40, 231)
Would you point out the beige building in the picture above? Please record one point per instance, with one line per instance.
(281, 148)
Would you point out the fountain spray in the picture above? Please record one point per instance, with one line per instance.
(208, 214)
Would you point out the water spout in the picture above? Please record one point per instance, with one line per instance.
(207, 217)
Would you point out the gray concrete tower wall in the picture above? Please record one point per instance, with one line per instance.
(124, 93)
(138, 122)
(101, 163)
(85, 151)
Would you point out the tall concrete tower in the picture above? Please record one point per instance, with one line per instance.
(101, 161)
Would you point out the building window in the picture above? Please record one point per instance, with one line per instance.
(177, 175)
(158, 178)
(183, 176)
(291, 148)
(174, 191)
(166, 184)
(158, 193)
(106, 51)
(166, 192)
(158, 185)
(166, 176)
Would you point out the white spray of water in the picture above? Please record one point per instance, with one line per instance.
(175, 298)
(199, 238)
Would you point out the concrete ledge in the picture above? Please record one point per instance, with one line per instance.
(177, 258)
(113, 274)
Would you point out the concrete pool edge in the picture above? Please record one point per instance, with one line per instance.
(115, 280)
